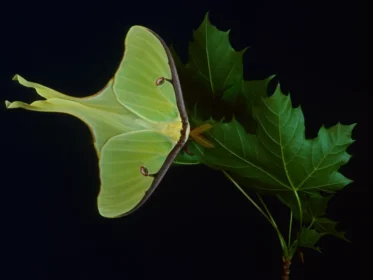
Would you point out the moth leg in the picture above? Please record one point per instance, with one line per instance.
(186, 149)
(196, 135)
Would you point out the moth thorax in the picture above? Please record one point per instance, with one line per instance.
(172, 129)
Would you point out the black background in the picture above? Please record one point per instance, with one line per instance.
(197, 225)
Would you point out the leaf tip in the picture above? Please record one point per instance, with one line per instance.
(351, 127)
(243, 51)
(207, 17)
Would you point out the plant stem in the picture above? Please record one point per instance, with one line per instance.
(287, 256)
(300, 217)
(268, 216)
(300, 209)
(286, 270)
(273, 222)
(247, 196)
(311, 224)
(290, 226)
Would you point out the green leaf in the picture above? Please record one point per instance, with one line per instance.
(279, 158)
(313, 205)
(215, 63)
(314, 209)
(317, 204)
(255, 90)
(309, 238)
(212, 80)
(326, 226)
(270, 152)
(263, 147)
(185, 159)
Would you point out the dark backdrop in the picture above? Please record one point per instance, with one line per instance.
(197, 225)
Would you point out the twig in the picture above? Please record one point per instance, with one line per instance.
(286, 270)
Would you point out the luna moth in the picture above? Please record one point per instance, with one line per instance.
(138, 121)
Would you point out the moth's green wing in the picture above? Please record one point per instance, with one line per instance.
(123, 184)
(124, 187)
(101, 112)
(135, 121)
(145, 61)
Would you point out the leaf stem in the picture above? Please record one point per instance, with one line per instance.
(300, 209)
(311, 224)
(247, 196)
(268, 216)
(300, 217)
(290, 227)
(273, 222)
